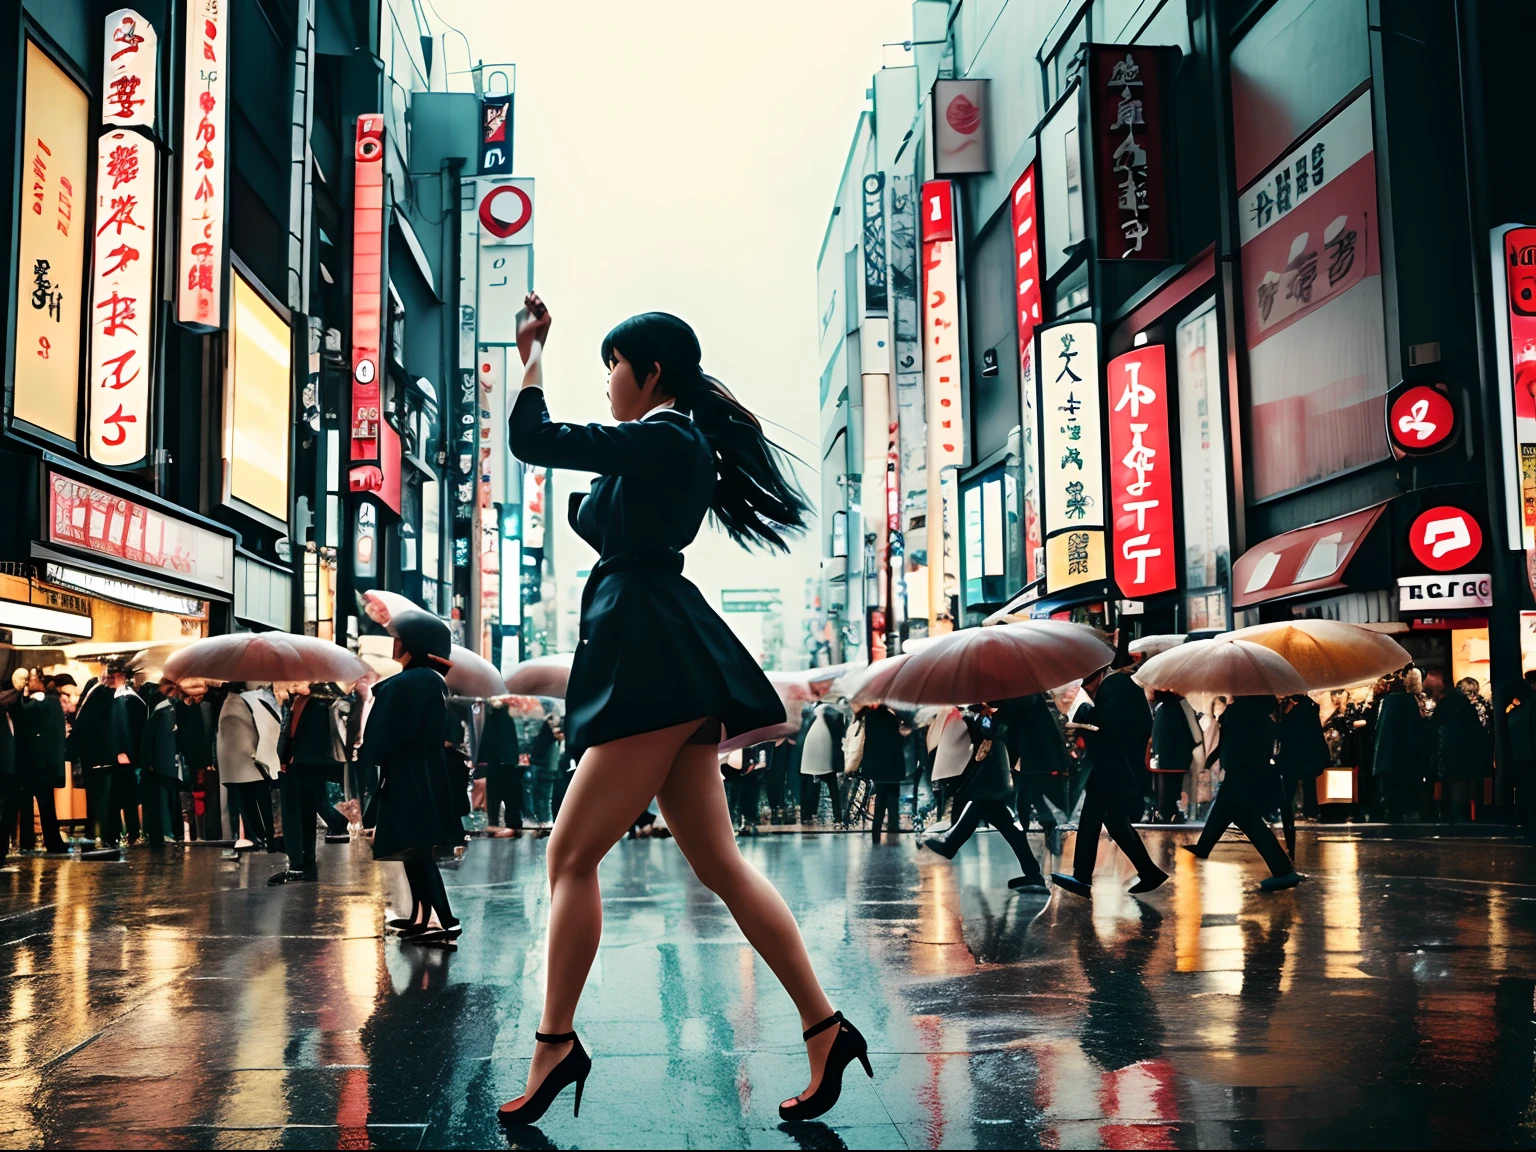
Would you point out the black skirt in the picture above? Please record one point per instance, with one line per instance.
(654, 654)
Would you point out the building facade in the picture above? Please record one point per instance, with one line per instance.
(1222, 321)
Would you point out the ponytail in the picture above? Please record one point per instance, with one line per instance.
(755, 500)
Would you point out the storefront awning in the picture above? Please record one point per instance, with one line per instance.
(1310, 559)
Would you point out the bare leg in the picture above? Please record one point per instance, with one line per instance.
(612, 783)
(693, 802)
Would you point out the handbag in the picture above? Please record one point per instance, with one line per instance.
(853, 748)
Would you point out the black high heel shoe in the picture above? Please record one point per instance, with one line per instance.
(846, 1048)
(574, 1069)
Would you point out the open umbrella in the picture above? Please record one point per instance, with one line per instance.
(760, 735)
(993, 663)
(381, 607)
(473, 675)
(541, 676)
(807, 684)
(1326, 653)
(264, 657)
(1155, 645)
(1229, 667)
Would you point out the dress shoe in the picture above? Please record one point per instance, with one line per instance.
(289, 877)
(1072, 884)
(337, 838)
(1031, 884)
(1194, 850)
(1149, 883)
(1281, 883)
(937, 844)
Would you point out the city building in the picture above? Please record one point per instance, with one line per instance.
(1220, 318)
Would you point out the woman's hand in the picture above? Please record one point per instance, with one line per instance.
(534, 328)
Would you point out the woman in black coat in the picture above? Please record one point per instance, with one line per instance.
(419, 802)
(1302, 756)
(1249, 729)
(658, 675)
(884, 765)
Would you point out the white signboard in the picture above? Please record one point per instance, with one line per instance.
(1330, 151)
(204, 148)
(1427, 595)
(1072, 464)
(941, 355)
(506, 275)
(122, 300)
(128, 71)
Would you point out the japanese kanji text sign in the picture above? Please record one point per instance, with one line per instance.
(51, 242)
(128, 61)
(1128, 90)
(941, 329)
(367, 284)
(1072, 462)
(1140, 478)
(122, 300)
(1026, 276)
(1514, 293)
(204, 149)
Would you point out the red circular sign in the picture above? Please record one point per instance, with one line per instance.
(1445, 538)
(503, 217)
(1421, 419)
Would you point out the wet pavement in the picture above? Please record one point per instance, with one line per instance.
(1386, 1002)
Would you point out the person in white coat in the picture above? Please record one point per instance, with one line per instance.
(950, 740)
(239, 749)
(821, 760)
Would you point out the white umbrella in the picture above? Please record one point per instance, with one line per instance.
(541, 676)
(803, 685)
(1228, 667)
(472, 674)
(266, 658)
(1328, 653)
(1155, 645)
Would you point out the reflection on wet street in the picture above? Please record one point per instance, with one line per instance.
(181, 1003)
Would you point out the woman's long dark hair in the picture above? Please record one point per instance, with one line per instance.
(755, 501)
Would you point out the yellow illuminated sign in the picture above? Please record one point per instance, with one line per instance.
(258, 410)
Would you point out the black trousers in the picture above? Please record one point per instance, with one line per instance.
(887, 808)
(810, 797)
(16, 811)
(115, 793)
(747, 799)
(1000, 816)
(251, 803)
(1248, 814)
(1288, 785)
(304, 799)
(504, 786)
(1038, 790)
(1166, 787)
(155, 794)
(1107, 812)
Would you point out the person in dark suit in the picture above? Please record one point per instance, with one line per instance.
(1031, 733)
(499, 755)
(40, 764)
(160, 769)
(986, 793)
(1302, 756)
(542, 769)
(200, 781)
(103, 746)
(658, 677)
(1120, 726)
(1246, 748)
(884, 765)
(1402, 757)
(312, 750)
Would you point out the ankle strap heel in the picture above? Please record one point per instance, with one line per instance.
(847, 1046)
(573, 1068)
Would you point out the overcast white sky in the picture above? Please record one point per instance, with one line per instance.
(687, 154)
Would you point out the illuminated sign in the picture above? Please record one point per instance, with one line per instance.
(1445, 538)
(50, 296)
(1140, 475)
(128, 62)
(122, 300)
(204, 150)
(367, 284)
(1073, 468)
(1420, 418)
(1026, 279)
(258, 403)
(496, 135)
(1439, 593)
(1514, 292)
(941, 328)
(1127, 86)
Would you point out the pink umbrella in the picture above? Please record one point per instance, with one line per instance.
(760, 735)
(264, 657)
(992, 663)
(807, 685)
(473, 675)
(382, 607)
(541, 676)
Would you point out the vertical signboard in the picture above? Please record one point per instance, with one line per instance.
(504, 211)
(122, 300)
(1072, 464)
(941, 328)
(1140, 481)
(496, 135)
(876, 295)
(1128, 86)
(128, 62)
(1026, 277)
(960, 127)
(911, 425)
(204, 150)
(367, 284)
(51, 239)
(1514, 301)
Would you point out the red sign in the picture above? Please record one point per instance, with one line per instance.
(1140, 479)
(1445, 538)
(1420, 419)
(367, 284)
(1026, 275)
(505, 210)
(938, 211)
(1127, 86)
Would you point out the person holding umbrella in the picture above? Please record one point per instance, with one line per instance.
(1249, 728)
(1300, 760)
(1030, 731)
(1116, 725)
(985, 793)
(884, 765)
(417, 813)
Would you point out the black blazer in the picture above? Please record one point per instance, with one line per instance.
(653, 654)
(1117, 751)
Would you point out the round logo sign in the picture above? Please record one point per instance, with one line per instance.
(1421, 419)
(1445, 538)
(505, 210)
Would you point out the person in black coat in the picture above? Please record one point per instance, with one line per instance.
(1464, 753)
(40, 760)
(312, 750)
(986, 792)
(1302, 756)
(417, 812)
(1402, 757)
(658, 678)
(160, 769)
(1120, 724)
(104, 748)
(1031, 732)
(884, 765)
(1246, 748)
(200, 782)
(1173, 749)
(500, 755)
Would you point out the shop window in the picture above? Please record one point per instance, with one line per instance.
(993, 411)
(1203, 459)
(258, 398)
(985, 531)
